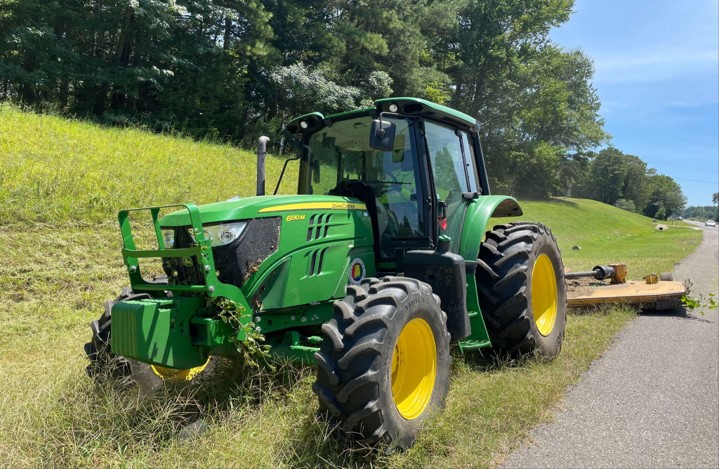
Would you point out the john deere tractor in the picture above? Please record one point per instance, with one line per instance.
(374, 271)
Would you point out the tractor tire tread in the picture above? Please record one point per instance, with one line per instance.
(354, 399)
(503, 272)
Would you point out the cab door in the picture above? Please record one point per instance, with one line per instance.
(450, 153)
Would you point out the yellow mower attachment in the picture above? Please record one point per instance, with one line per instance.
(654, 293)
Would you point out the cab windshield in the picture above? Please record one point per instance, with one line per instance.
(340, 158)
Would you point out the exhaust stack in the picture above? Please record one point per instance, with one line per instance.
(261, 153)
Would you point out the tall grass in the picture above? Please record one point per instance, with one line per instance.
(61, 184)
(57, 171)
(54, 416)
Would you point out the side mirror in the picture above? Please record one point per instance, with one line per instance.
(381, 135)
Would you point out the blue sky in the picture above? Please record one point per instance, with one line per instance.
(657, 75)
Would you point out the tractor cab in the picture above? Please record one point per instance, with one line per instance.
(414, 164)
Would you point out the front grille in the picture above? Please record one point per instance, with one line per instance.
(182, 270)
(235, 262)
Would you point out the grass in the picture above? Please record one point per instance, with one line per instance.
(57, 171)
(608, 235)
(61, 184)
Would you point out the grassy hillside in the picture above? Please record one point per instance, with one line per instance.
(608, 235)
(61, 183)
(63, 172)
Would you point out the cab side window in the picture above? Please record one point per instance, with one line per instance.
(474, 185)
(445, 154)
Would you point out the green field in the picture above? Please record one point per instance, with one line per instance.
(61, 183)
(607, 235)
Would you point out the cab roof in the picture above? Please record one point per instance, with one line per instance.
(405, 105)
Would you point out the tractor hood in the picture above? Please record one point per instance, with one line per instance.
(261, 206)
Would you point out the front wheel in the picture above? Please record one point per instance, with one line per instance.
(520, 278)
(383, 366)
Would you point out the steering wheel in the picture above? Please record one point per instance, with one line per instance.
(379, 177)
(375, 179)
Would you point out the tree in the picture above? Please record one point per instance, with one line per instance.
(636, 182)
(393, 37)
(607, 174)
(618, 179)
(221, 68)
(701, 213)
(666, 197)
(303, 89)
(534, 100)
(625, 204)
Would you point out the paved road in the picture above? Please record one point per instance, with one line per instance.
(652, 400)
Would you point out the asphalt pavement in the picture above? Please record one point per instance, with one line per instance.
(652, 400)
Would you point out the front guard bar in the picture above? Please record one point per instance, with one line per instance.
(202, 253)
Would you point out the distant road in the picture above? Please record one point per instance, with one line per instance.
(652, 400)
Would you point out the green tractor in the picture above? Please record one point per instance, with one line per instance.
(374, 271)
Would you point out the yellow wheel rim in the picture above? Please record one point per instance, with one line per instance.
(173, 375)
(544, 295)
(414, 368)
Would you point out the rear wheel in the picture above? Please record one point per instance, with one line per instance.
(520, 277)
(105, 364)
(384, 362)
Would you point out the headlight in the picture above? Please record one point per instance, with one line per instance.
(220, 235)
(168, 236)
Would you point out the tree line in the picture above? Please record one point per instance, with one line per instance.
(706, 212)
(626, 181)
(234, 69)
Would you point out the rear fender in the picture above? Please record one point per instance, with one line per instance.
(479, 211)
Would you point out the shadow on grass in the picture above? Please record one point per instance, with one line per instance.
(488, 361)
(558, 201)
(599, 309)
(315, 440)
(106, 418)
(231, 381)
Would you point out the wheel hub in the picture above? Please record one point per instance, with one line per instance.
(544, 294)
(414, 368)
(174, 375)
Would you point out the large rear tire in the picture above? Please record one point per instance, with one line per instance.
(520, 278)
(384, 363)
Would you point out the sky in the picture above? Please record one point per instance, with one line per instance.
(657, 75)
